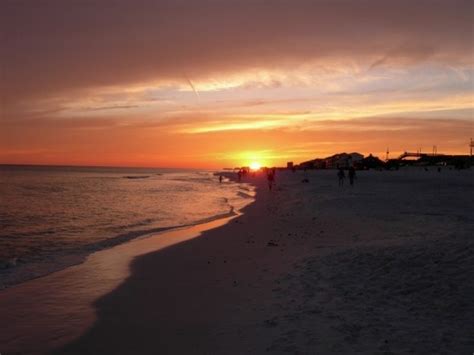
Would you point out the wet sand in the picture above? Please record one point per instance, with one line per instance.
(46, 313)
(384, 267)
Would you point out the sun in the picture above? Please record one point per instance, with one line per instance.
(255, 166)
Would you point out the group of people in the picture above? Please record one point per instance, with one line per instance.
(270, 176)
(243, 172)
(342, 176)
(351, 173)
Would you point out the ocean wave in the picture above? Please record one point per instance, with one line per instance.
(44, 188)
(16, 270)
(243, 194)
(47, 232)
(245, 188)
(141, 223)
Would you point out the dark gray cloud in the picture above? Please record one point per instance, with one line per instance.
(54, 45)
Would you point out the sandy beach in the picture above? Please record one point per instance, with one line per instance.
(177, 177)
(384, 267)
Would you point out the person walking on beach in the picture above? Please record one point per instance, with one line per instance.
(239, 175)
(220, 178)
(270, 178)
(341, 175)
(352, 175)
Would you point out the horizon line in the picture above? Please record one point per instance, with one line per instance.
(90, 166)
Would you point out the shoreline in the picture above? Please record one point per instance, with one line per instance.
(34, 301)
(383, 267)
(16, 272)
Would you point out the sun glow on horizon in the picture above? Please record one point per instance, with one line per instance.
(255, 166)
(302, 85)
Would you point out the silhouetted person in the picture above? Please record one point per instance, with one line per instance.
(352, 175)
(239, 175)
(271, 179)
(220, 178)
(305, 177)
(341, 175)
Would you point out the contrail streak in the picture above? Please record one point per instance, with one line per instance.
(192, 87)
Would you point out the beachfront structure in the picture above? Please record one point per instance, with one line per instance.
(313, 164)
(457, 161)
(341, 160)
(370, 162)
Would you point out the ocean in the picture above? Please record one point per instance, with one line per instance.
(53, 217)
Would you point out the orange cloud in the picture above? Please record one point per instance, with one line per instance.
(210, 84)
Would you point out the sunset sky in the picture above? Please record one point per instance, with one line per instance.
(223, 83)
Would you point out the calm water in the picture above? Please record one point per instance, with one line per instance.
(50, 216)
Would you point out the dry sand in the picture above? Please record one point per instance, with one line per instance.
(384, 267)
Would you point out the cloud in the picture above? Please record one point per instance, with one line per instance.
(132, 82)
(53, 46)
(144, 142)
(406, 54)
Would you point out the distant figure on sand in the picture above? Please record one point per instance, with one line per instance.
(270, 178)
(239, 175)
(341, 175)
(352, 175)
(305, 179)
(220, 178)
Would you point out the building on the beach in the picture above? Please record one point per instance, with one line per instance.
(313, 164)
(456, 161)
(370, 162)
(341, 160)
